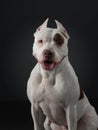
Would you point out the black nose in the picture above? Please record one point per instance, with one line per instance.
(48, 53)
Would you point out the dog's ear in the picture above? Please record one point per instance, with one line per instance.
(44, 25)
(64, 31)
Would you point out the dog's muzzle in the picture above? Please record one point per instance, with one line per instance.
(48, 63)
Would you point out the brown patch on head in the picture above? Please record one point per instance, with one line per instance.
(59, 40)
(81, 94)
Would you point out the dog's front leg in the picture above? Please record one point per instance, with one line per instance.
(38, 117)
(71, 116)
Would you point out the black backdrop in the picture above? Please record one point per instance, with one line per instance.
(19, 20)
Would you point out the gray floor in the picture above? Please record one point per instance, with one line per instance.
(17, 115)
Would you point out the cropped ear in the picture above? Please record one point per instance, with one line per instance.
(63, 30)
(44, 25)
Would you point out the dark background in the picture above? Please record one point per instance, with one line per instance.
(19, 20)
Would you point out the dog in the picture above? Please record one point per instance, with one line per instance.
(57, 100)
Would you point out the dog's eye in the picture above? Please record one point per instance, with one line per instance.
(59, 40)
(59, 43)
(40, 41)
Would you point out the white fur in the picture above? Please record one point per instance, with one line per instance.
(54, 95)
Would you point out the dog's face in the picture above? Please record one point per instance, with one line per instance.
(50, 45)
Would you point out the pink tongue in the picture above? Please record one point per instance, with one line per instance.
(48, 66)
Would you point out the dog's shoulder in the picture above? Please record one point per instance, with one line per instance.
(35, 75)
(33, 81)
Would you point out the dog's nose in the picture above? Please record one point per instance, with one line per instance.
(48, 53)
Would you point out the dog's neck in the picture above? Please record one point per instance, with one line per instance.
(60, 67)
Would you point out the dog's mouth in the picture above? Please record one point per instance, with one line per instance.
(50, 64)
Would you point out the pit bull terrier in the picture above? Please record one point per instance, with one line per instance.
(57, 100)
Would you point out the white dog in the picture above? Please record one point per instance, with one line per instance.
(58, 102)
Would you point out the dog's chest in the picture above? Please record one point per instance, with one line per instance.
(51, 100)
(49, 91)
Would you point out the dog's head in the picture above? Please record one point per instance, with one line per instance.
(50, 45)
